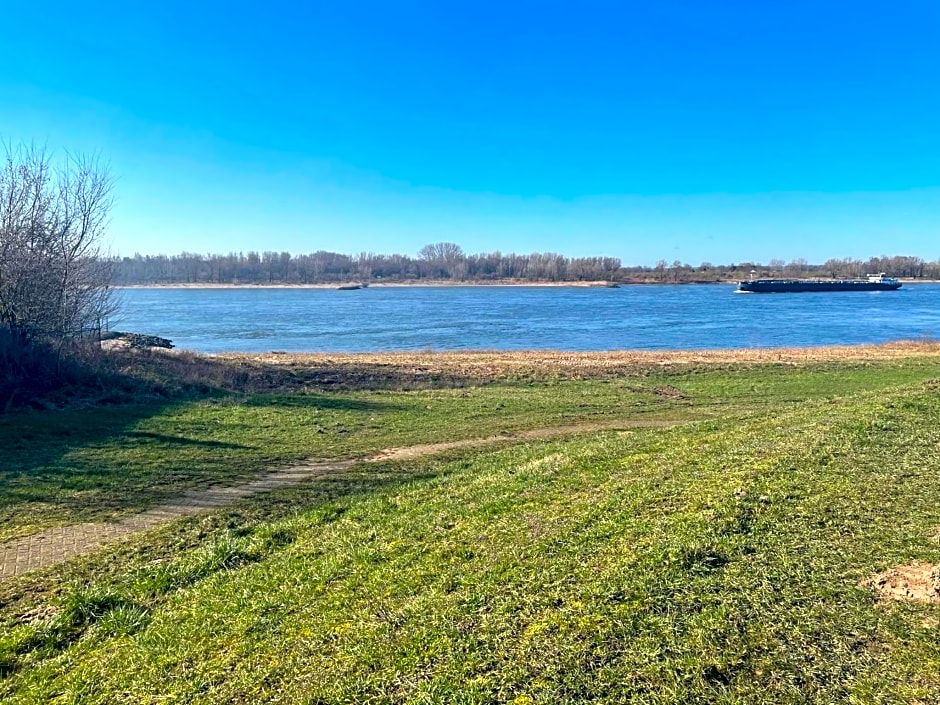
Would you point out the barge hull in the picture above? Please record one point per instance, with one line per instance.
(874, 282)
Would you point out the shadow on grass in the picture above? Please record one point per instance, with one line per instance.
(73, 465)
(305, 400)
(37, 439)
(181, 440)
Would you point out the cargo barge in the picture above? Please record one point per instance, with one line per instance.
(874, 282)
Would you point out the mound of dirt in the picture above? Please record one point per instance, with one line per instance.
(917, 581)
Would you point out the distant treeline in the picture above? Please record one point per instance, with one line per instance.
(447, 261)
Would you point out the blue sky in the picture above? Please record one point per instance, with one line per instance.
(718, 131)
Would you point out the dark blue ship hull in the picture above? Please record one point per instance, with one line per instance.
(792, 286)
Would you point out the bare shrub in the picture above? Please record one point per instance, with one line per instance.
(54, 280)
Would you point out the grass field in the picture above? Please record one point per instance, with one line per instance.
(721, 553)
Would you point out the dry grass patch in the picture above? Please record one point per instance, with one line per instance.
(540, 364)
(918, 581)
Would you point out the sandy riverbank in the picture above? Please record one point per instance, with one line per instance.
(490, 361)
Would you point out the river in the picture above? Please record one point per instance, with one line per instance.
(658, 317)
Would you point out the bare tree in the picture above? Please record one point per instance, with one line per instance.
(54, 279)
(443, 259)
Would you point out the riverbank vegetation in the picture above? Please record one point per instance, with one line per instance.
(714, 532)
(448, 262)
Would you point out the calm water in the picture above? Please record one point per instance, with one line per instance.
(512, 318)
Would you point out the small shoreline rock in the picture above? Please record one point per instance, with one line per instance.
(116, 340)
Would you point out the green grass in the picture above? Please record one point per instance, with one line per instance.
(99, 463)
(719, 560)
(96, 464)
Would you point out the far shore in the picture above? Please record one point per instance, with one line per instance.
(448, 283)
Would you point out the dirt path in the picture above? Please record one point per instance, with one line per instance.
(431, 448)
(61, 543)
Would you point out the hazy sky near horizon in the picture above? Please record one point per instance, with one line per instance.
(719, 131)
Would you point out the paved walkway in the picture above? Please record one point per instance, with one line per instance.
(61, 543)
